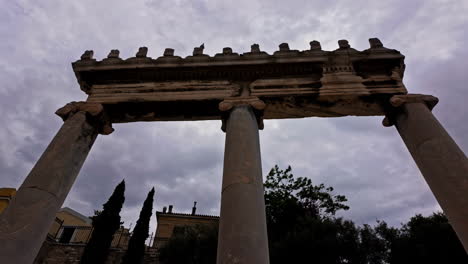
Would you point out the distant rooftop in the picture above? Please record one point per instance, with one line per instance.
(75, 213)
(193, 214)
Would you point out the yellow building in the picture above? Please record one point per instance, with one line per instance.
(71, 227)
(71, 217)
(5, 197)
(168, 221)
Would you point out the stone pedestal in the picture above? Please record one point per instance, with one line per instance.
(242, 231)
(442, 163)
(25, 223)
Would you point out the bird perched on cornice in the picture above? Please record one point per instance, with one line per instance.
(198, 51)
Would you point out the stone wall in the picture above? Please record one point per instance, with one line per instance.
(56, 253)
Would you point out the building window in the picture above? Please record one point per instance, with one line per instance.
(67, 235)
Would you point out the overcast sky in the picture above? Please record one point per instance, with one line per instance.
(183, 161)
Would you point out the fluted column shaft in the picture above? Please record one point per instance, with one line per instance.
(242, 231)
(26, 221)
(442, 163)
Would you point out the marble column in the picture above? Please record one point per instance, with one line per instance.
(26, 221)
(242, 231)
(442, 163)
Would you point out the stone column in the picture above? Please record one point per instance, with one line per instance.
(26, 221)
(442, 163)
(242, 231)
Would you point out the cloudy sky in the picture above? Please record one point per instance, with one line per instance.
(183, 161)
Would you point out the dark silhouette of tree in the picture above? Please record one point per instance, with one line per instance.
(428, 240)
(301, 222)
(372, 247)
(191, 245)
(136, 245)
(96, 214)
(105, 224)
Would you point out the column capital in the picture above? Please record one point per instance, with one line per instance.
(94, 112)
(229, 103)
(398, 101)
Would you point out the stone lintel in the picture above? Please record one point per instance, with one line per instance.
(397, 101)
(228, 65)
(293, 84)
(94, 112)
(229, 103)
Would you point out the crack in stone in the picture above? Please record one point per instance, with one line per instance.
(40, 189)
(236, 183)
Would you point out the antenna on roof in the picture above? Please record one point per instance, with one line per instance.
(194, 208)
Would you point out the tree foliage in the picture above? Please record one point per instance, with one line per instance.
(136, 245)
(428, 240)
(284, 192)
(191, 245)
(105, 224)
(301, 223)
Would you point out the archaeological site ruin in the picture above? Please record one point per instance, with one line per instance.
(240, 90)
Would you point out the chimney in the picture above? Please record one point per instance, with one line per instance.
(164, 209)
(170, 209)
(194, 208)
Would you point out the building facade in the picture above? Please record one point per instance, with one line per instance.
(71, 231)
(71, 227)
(168, 221)
(5, 197)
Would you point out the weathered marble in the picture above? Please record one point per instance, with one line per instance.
(442, 163)
(242, 230)
(26, 221)
(295, 83)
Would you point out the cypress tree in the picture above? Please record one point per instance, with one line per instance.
(136, 245)
(105, 224)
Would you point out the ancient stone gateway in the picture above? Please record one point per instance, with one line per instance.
(241, 90)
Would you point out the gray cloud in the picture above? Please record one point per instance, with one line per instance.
(360, 158)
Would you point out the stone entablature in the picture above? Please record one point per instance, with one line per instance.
(292, 83)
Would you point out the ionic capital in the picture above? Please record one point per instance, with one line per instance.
(229, 103)
(397, 101)
(94, 112)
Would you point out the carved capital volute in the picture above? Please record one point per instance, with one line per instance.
(94, 112)
(397, 101)
(229, 103)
